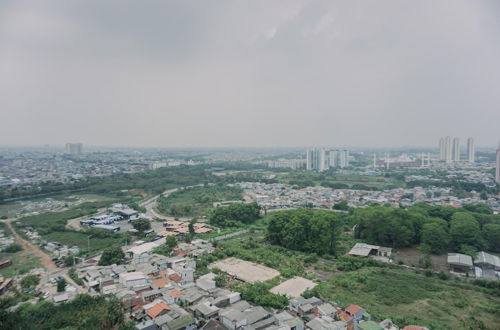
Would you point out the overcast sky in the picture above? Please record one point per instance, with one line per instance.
(249, 73)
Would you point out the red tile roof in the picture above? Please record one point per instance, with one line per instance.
(161, 282)
(176, 293)
(157, 309)
(176, 277)
(353, 309)
(343, 316)
(414, 327)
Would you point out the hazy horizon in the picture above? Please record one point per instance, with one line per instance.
(235, 74)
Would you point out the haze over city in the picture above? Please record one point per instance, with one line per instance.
(255, 73)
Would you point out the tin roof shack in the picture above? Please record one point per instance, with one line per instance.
(489, 265)
(374, 251)
(460, 263)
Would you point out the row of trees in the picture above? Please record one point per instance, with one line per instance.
(439, 229)
(234, 215)
(313, 231)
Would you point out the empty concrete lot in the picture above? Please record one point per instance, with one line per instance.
(294, 287)
(245, 270)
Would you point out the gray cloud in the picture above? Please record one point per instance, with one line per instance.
(249, 73)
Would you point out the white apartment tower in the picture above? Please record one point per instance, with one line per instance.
(322, 160)
(471, 153)
(442, 150)
(73, 148)
(456, 149)
(447, 150)
(344, 158)
(497, 172)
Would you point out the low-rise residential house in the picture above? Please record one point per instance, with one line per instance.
(156, 309)
(214, 325)
(133, 280)
(366, 250)
(151, 295)
(489, 266)
(206, 282)
(326, 309)
(388, 325)
(460, 263)
(292, 322)
(326, 323)
(205, 310)
(176, 319)
(301, 305)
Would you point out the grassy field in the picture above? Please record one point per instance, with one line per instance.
(22, 262)
(340, 181)
(410, 298)
(79, 239)
(386, 292)
(196, 201)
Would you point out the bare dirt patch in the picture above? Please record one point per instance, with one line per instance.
(245, 270)
(411, 257)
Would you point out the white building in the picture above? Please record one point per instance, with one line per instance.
(133, 279)
(442, 149)
(456, 149)
(471, 153)
(497, 172)
(447, 149)
(73, 148)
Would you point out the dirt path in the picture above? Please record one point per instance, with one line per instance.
(33, 249)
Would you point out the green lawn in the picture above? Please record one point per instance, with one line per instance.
(410, 298)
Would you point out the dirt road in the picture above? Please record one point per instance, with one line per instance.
(33, 249)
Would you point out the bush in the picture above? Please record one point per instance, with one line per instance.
(13, 248)
(30, 281)
(61, 285)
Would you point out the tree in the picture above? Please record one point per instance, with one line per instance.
(112, 255)
(313, 231)
(491, 233)
(192, 231)
(171, 242)
(141, 225)
(30, 281)
(435, 237)
(61, 285)
(220, 280)
(341, 206)
(464, 229)
(13, 248)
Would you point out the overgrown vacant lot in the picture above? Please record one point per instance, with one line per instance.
(196, 201)
(410, 298)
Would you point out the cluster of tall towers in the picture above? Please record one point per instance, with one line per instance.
(450, 152)
(323, 159)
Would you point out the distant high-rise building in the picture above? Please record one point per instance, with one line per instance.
(344, 158)
(73, 148)
(442, 150)
(456, 149)
(447, 150)
(497, 172)
(471, 153)
(322, 160)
